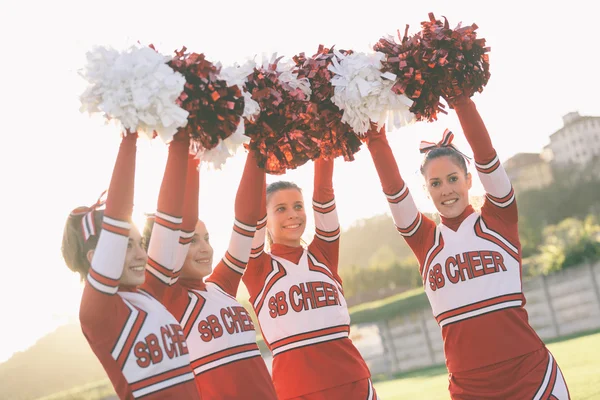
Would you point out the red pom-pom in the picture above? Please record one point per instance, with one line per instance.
(436, 62)
(460, 55)
(283, 135)
(337, 137)
(215, 108)
(415, 80)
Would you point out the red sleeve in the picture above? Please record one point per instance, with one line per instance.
(164, 241)
(500, 197)
(102, 312)
(415, 227)
(229, 271)
(327, 224)
(259, 262)
(190, 214)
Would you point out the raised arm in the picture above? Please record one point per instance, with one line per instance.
(164, 242)
(416, 228)
(500, 197)
(99, 302)
(248, 200)
(327, 224)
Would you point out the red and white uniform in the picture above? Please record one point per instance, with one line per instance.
(225, 358)
(139, 343)
(471, 269)
(298, 298)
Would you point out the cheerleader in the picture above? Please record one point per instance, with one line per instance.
(298, 296)
(225, 358)
(139, 343)
(471, 267)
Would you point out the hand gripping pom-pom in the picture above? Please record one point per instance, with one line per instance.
(336, 138)
(136, 88)
(282, 135)
(215, 107)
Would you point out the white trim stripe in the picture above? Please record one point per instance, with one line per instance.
(189, 309)
(504, 204)
(436, 243)
(245, 227)
(306, 342)
(186, 235)
(116, 353)
(399, 194)
(485, 229)
(323, 205)
(116, 222)
(484, 310)
(488, 165)
(546, 379)
(176, 380)
(101, 286)
(234, 267)
(371, 392)
(269, 277)
(226, 360)
(328, 239)
(319, 264)
(167, 217)
(159, 275)
(414, 230)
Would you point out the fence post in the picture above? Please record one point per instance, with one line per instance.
(427, 338)
(594, 283)
(550, 306)
(388, 344)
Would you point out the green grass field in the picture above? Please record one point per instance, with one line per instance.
(578, 358)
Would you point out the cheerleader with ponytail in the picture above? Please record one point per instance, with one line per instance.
(471, 267)
(298, 296)
(225, 357)
(139, 343)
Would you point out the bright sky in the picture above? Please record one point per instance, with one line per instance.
(544, 63)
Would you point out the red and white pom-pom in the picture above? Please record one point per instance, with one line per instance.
(338, 138)
(364, 93)
(135, 88)
(289, 78)
(235, 75)
(238, 75)
(283, 134)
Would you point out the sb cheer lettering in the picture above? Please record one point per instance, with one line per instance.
(153, 349)
(230, 319)
(465, 266)
(303, 297)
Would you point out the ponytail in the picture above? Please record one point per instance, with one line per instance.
(74, 244)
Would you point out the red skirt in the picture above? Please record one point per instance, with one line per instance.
(532, 376)
(359, 390)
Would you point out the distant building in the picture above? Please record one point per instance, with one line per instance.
(577, 143)
(528, 171)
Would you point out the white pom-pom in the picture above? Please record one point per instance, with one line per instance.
(364, 93)
(217, 156)
(288, 79)
(135, 87)
(238, 75)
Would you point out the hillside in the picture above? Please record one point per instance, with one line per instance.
(58, 361)
(362, 240)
